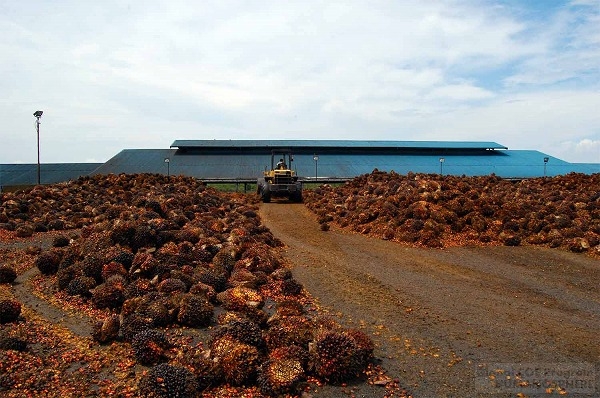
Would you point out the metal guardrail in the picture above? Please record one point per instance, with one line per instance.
(322, 180)
(245, 182)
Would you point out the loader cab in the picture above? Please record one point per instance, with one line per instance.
(280, 180)
(281, 169)
(284, 162)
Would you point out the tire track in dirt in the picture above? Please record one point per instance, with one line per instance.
(23, 291)
(436, 314)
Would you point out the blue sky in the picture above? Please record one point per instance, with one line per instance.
(113, 75)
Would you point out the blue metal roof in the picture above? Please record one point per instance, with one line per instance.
(206, 165)
(321, 144)
(130, 161)
(50, 173)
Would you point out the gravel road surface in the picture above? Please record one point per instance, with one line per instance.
(456, 322)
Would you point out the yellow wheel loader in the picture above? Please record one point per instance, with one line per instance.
(280, 181)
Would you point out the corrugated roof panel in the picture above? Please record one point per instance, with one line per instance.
(335, 161)
(131, 161)
(249, 166)
(316, 144)
(50, 173)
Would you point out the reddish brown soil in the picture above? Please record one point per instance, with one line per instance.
(439, 315)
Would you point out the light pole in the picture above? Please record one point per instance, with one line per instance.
(442, 160)
(316, 159)
(546, 158)
(168, 162)
(38, 115)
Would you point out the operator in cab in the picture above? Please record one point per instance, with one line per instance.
(281, 165)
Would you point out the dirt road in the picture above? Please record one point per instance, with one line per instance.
(444, 321)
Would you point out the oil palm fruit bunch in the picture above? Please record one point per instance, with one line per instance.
(207, 371)
(239, 362)
(106, 330)
(240, 298)
(284, 371)
(195, 311)
(110, 294)
(12, 343)
(47, 262)
(81, 286)
(9, 310)
(133, 324)
(243, 330)
(150, 346)
(7, 274)
(168, 381)
(289, 330)
(335, 356)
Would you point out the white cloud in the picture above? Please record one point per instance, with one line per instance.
(460, 92)
(111, 75)
(542, 121)
(571, 48)
(584, 151)
(586, 145)
(584, 3)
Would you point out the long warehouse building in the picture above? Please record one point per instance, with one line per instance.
(245, 160)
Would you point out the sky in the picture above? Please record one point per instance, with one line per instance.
(114, 75)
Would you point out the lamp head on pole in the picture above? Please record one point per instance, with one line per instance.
(38, 114)
(167, 160)
(546, 159)
(442, 160)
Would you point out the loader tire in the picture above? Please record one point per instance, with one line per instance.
(265, 195)
(296, 197)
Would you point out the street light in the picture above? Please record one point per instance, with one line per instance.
(168, 162)
(316, 159)
(38, 115)
(546, 158)
(442, 160)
